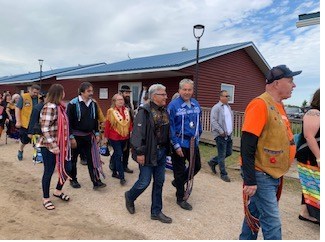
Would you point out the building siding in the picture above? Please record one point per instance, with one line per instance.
(236, 68)
(71, 88)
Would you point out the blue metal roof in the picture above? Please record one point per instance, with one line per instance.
(309, 16)
(170, 61)
(165, 62)
(35, 76)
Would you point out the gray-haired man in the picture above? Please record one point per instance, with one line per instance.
(150, 143)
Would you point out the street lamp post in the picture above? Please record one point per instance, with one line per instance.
(40, 61)
(198, 31)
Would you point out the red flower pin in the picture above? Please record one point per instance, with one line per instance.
(272, 160)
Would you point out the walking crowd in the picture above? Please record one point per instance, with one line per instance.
(156, 130)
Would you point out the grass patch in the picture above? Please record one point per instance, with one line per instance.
(208, 151)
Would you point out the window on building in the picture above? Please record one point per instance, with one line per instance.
(103, 93)
(231, 91)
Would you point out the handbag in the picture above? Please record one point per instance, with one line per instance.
(301, 143)
(104, 151)
(310, 182)
(37, 154)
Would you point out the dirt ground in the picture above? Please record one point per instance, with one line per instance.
(217, 207)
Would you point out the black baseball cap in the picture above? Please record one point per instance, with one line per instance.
(279, 72)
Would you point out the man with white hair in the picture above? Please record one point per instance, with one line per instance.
(185, 125)
(150, 145)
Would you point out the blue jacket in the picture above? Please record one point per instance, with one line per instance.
(185, 122)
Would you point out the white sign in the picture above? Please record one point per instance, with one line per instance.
(103, 93)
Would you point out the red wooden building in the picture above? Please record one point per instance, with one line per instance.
(238, 68)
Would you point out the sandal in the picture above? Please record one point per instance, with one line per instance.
(48, 205)
(308, 220)
(62, 196)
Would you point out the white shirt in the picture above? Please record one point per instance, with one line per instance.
(228, 119)
(142, 96)
(87, 103)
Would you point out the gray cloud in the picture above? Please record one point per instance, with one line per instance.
(70, 32)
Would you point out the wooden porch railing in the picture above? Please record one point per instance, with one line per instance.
(296, 126)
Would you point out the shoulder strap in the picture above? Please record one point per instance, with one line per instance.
(304, 145)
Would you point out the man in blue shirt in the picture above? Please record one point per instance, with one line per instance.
(185, 123)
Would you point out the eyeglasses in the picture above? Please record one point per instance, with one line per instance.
(161, 94)
(226, 96)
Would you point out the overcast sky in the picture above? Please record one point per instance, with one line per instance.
(71, 32)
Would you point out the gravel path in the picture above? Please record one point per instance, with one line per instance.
(217, 207)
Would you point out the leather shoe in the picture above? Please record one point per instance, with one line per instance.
(129, 204)
(225, 178)
(99, 185)
(185, 205)
(75, 184)
(122, 182)
(115, 175)
(127, 170)
(212, 166)
(162, 218)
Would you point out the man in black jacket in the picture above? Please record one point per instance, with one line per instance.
(150, 144)
(82, 112)
(34, 126)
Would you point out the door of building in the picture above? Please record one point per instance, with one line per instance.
(135, 88)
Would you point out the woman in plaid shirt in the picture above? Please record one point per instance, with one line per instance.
(54, 143)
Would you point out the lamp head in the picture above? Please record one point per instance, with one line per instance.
(196, 30)
(40, 61)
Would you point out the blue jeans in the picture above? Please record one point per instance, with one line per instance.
(158, 173)
(49, 166)
(264, 205)
(224, 147)
(117, 157)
